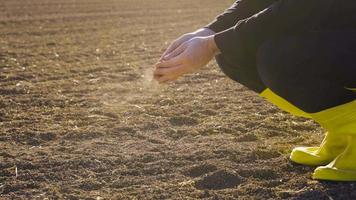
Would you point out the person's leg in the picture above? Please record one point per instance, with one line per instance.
(315, 72)
(246, 74)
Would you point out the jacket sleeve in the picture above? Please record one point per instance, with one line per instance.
(241, 9)
(279, 19)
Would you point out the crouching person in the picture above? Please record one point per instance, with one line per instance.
(299, 55)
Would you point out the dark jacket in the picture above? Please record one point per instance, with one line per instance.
(246, 25)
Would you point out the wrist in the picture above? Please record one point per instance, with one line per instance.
(204, 32)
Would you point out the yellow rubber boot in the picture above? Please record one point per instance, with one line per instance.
(331, 146)
(313, 156)
(343, 168)
(340, 120)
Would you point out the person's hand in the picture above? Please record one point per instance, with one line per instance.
(203, 32)
(187, 58)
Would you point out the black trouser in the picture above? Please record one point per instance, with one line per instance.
(313, 71)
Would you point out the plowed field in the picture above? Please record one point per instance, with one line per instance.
(80, 118)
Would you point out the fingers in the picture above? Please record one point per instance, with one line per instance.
(176, 44)
(175, 52)
(169, 63)
(163, 75)
(170, 48)
(165, 79)
(168, 70)
(172, 68)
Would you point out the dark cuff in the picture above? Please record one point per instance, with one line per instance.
(215, 26)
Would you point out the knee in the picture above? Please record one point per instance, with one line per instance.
(269, 65)
(245, 74)
(221, 62)
(227, 68)
(276, 60)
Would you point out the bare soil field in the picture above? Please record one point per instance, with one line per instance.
(80, 118)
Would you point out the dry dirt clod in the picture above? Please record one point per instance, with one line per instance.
(219, 180)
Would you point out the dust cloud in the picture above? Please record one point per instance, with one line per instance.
(124, 95)
(148, 84)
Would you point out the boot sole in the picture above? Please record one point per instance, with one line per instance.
(334, 174)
